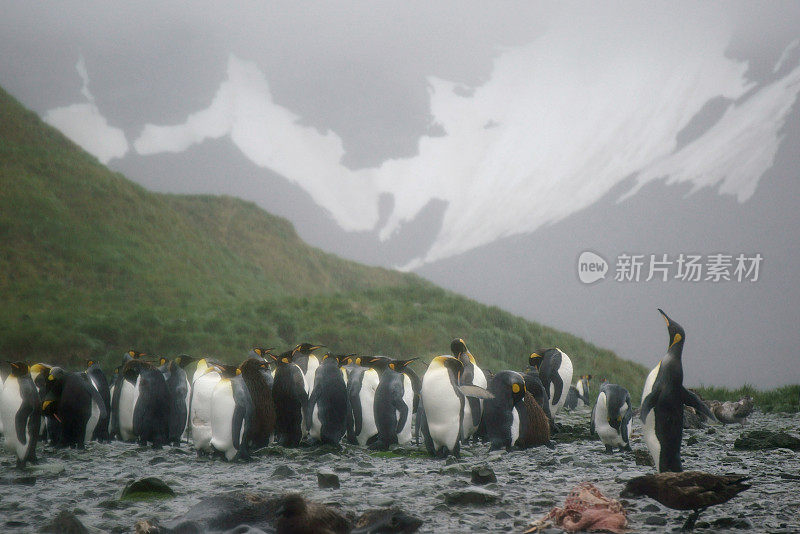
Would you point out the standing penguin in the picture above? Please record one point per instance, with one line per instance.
(268, 358)
(611, 417)
(290, 396)
(49, 426)
(231, 414)
(355, 374)
(21, 411)
(73, 401)
(152, 408)
(578, 395)
(178, 388)
(205, 377)
(513, 417)
(441, 411)
(98, 380)
(362, 397)
(555, 370)
(5, 370)
(260, 390)
(327, 404)
(394, 403)
(303, 356)
(472, 375)
(128, 395)
(663, 398)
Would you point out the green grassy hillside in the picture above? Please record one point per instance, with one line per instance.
(92, 264)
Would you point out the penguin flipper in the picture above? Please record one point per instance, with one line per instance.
(690, 398)
(400, 406)
(624, 426)
(236, 427)
(357, 416)
(416, 385)
(21, 420)
(469, 390)
(312, 400)
(591, 421)
(648, 403)
(418, 423)
(558, 386)
(475, 409)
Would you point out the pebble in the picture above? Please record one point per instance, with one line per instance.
(327, 479)
(472, 495)
(483, 475)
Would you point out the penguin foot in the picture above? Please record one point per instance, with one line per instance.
(609, 449)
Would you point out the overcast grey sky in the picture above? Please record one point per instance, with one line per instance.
(424, 131)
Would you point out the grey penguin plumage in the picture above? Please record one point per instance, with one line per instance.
(152, 407)
(21, 411)
(472, 375)
(73, 401)
(534, 386)
(611, 417)
(394, 403)
(502, 420)
(327, 404)
(290, 396)
(663, 398)
(178, 388)
(555, 370)
(355, 376)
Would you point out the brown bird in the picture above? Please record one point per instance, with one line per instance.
(687, 490)
(295, 515)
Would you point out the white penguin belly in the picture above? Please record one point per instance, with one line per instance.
(10, 401)
(222, 407)
(442, 408)
(369, 383)
(408, 398)
(200, 417)
(581, 393)
(608, 435)
(649, 424)
(91, 424)
(127, 402)
(514, 426)
(316, 425)
(188, 397)
(565, 372)
(468, 427)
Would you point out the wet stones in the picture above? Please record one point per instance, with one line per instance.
(472, 495)
(483, 475)
(147, 488)
(283, 472)
(65, 523)
(327, 479)
(759, 440)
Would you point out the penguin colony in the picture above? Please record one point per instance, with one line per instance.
(304, 396)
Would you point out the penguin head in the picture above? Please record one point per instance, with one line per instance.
(306, 348)
(262, 352)
(90, 363)
(379, 363)
(676, 334)
(347, 359)
(228, 370)
(535, 359)
(284, 357)
(135, 354)
(162, 361)
(400, 365)
(19, 369)
(184, 359)
(458, 347)
(513, 383)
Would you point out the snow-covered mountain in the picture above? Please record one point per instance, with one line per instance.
(485, 149)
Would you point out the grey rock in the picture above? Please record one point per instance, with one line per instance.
(283, 472)
(147, 488)
(655, 520)
(472, 495)
(760, 440)
(65, 523)
(483, 475)
(327, 479)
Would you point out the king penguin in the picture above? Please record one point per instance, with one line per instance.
(178, 388)
(611, 417)
(441, 411)
(472, 375)
(394, 403)
(303, 356)
(204, 379)
(327, 404)
(21, 412)
(663, 398)
(152, 408)
(290, 396)
(260, 390)
(355, 374)
(555, 370)
(231, 414)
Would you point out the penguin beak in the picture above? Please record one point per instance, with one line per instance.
(664, 314)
